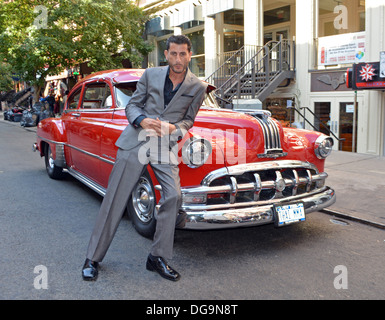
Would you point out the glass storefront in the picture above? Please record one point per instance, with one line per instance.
(233, 36)
(281, 109)
(161, 46)
(338, 17)
(197, 64)
(276, 16)
(341, 119)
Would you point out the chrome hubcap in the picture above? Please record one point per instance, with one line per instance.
(143, 200)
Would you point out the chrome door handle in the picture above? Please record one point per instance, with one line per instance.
(75, 114)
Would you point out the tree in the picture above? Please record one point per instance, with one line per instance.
(5, 77)
(43, 37)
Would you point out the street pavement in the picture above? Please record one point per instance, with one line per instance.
(359, 182)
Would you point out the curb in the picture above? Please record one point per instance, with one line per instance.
(348, 216)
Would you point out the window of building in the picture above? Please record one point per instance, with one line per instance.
(322, 119)
(233, 40)
(276, 16)
(162, 45)
(233, 17)
(281, 110)
(344, 16)
(197, 64)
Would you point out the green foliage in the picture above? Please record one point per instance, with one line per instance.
(5, 77)
(61, 34)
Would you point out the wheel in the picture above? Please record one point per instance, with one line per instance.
(141, 206)
(53, 171)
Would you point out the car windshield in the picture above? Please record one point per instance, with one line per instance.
(123, 93)
(210, 101)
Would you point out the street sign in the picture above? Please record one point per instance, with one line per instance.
(365, 76)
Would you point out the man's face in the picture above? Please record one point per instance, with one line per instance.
(178, 57)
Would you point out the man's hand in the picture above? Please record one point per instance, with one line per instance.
(157, 128)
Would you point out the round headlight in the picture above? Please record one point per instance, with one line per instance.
(196, 151)
(323, 147)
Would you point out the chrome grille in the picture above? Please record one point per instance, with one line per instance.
(251, 184)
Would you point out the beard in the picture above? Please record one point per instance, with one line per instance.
(178, 68)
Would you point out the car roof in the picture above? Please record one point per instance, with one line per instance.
(121, 75)
(116, 75)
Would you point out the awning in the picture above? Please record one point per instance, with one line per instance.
(216, 6)
(62, 75)
(175, 16)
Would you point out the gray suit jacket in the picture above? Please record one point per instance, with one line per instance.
(148, 100)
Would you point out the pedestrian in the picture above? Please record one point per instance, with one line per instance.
(163, 107)
(56, 109)
(50, 99)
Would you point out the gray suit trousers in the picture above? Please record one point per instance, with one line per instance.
(124, 176)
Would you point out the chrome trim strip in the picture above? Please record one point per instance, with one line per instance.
(78, 149)
(96, 110)
(270, 134)
(51, 141)
(87, 181)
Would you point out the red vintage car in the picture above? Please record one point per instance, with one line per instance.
(238, 168)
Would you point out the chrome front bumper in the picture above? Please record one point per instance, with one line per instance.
(255, 215)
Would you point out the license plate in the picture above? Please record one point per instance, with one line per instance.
(288, 214)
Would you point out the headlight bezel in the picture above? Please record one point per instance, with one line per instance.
(196, 151)
(323, 147)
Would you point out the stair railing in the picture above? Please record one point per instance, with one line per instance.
(258, 72)
(318, 119)
(235, 60)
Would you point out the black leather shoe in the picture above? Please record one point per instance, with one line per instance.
(90, 270)
(181, 220)
(160, 265)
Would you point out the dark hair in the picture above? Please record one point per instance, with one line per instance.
(179, 39)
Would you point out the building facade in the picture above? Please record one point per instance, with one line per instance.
(328, 36)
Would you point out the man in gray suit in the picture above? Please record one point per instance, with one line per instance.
(160, 111)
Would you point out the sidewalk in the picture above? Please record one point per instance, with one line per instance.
(359, 182)
(358, 179)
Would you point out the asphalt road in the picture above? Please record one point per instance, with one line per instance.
(45, 226)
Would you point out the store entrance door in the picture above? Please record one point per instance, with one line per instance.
(339, 116)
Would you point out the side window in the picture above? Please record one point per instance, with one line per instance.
(107, 103)
(97, 96)
(73, 99)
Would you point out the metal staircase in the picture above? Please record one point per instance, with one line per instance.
(263, 72)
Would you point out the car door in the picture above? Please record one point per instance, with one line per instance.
(122, 93)
(85, 127)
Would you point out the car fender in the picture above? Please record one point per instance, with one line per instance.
(301, 146)
(52, 131)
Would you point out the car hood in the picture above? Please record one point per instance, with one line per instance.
(237, 134)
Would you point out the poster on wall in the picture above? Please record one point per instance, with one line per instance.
(341, 49)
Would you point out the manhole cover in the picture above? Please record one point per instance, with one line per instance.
(339, 222)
